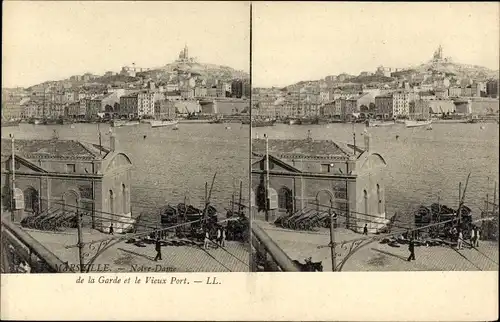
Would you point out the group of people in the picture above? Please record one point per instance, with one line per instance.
(220, 239)
(475, 236)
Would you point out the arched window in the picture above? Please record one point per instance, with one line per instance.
(285, 200)
(124, 199)
(365, 198)
(379, 200)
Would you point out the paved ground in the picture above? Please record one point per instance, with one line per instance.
(381, 257)
(124, 257)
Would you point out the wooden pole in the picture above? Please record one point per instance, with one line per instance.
(459, 212)
(232, 204)
(268, 203)
(13, 178)
(495, 205)
(80, 240)
(241, 191)
(332, 241)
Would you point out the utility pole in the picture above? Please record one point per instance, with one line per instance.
(100, 139)
(333, 218)
(232, 204)
(239, 204)
(13, 177)
(268, 201)
(439, 207)
(80, 240)
(354, 138)
(459, 212)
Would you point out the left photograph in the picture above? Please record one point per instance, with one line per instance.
(125, 137)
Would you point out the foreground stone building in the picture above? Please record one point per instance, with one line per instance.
(66, 175)
(322, 175)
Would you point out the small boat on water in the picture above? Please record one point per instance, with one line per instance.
(162, 123)
(429, 128)
(294, 122)
(120, 123)
(415, 123)
(263, 123)
(175, 128)
(373, 123)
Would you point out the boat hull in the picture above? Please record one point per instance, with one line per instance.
(417, 123)
(155, 123)
(124, 123)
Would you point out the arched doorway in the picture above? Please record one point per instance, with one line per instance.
(70, 201)
(324, 201)
(31, 200)
(285, 199)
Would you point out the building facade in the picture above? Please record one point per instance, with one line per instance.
(319, 175)
(69, 176)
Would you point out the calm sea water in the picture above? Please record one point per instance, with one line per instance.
(421, 164)
(169, 165)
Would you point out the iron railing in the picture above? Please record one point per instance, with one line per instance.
(23, 253)
(264, 245)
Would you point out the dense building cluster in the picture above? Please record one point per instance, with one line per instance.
(436, 87)
(133, 92)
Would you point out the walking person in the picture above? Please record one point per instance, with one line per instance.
(365, 230)
(460, 240)
(207, 240)
(478, 236)
(158, 249)
(111, 230)
(411, 248)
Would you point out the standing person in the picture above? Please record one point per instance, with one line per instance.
(158, 249)
(478, 236)
(460, 239)
(223, 238)
(411, 248)
(207, 240)
(365, 230)
(473, 237)
(111, 230)
(219, 237)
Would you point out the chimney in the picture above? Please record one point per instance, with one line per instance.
(367, 141)
(112, 142)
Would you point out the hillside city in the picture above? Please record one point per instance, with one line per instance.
(437, 88)
(182, 88)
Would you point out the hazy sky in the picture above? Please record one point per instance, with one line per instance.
(54, 40)
(302, 41)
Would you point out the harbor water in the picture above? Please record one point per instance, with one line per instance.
(168, 165)
(421, 164)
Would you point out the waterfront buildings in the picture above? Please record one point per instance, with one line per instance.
(165, 110)
(396, 104)
(66, 176)
(321, 175)
(492, 88)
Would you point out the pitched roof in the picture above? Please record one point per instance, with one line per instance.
(54, 149)
(303, 148)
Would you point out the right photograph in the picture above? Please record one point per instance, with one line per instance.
(375, 137)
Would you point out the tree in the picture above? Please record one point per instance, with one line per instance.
(363, 108)
(372, 107)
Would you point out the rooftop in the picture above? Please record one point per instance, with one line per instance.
(304, 148)
(54, 149)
